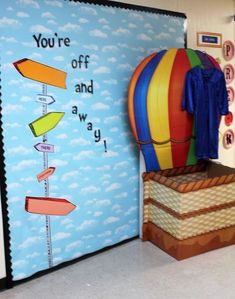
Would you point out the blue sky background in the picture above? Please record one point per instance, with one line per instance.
(103, 186)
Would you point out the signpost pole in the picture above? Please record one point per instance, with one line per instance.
(46, 187)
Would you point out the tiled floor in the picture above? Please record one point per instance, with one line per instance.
(137, 270)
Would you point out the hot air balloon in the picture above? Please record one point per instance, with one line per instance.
(162, 130)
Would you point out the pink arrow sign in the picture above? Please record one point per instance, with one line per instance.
(48, 206)
(44, 147)
(45, 173)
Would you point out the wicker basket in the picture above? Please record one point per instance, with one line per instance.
(187, 203)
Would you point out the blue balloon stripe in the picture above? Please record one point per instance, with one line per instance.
(141, 114)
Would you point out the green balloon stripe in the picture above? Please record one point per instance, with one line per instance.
(194, 61)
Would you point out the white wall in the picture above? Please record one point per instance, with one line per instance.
(203, 15)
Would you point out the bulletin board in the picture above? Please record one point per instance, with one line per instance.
(70, 180)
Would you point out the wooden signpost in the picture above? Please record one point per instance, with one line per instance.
(46, 205)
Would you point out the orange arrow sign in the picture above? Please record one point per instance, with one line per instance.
(45, 173)
(40, 72)
(48, 206)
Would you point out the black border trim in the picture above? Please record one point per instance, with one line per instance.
(3, 192)
(8, 281)
(2, 283)
(131, 7)
(74, 261)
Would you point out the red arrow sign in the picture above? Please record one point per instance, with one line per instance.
(45, 173)
(48, 206)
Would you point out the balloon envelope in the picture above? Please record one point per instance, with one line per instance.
(162, 130)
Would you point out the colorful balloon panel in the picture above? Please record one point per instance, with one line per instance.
(180, 122)
(163, 131)
(157, 107)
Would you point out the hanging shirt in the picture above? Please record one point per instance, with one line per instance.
(205, 96)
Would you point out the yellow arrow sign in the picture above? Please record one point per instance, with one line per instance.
(45, 123)
(40, 72)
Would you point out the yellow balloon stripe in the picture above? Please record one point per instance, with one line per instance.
(157, 103)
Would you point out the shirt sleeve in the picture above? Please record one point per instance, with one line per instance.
(222, 96)
(188, 98)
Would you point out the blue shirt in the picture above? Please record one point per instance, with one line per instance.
(205, 96)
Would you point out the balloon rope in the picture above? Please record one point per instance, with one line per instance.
(166, 141)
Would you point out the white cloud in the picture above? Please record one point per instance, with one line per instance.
(131, 210)
(15, 224)
(102, 70)
(14, 199)
(98, 33)
(121, 32)
(122, 195)
(58, 58)
(97, 214)
(33, 255)
(84, 155)
(105, 93)
(26, 99)
(28, 179)
(32, 3)
(66, 221)
(80, 141)
(125, 66)
(105, 234)
(58, 162)
(120, 165)
(131, 25)
(90, 189)
(69, 27)
(40, 29)
(91, 47)
(60, 236)
(110, 154)
(62, 136)
(24, 164)
(112, 59)
(83, 21)
(110, 48)
(13, 125)
(52, 22)
(8, 40)
(48, 15)
(121, 228)
(180, 40)
(103, 202)
(114, 130)
(85, 224)
(136, 16)
(111, 119)
(85, 168)
(111, 81)
(112, 187)
(111, 219)
(72, 246)
(19, 263)
(107, 241)
(103, 21)
(22, 14)
(30, 241)
(163, 35)
(100, 106)
(54, 3)
(144, 37)
(123, 174)
(73, 185)
(88, 10)
(19, 150)
(35, 56)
